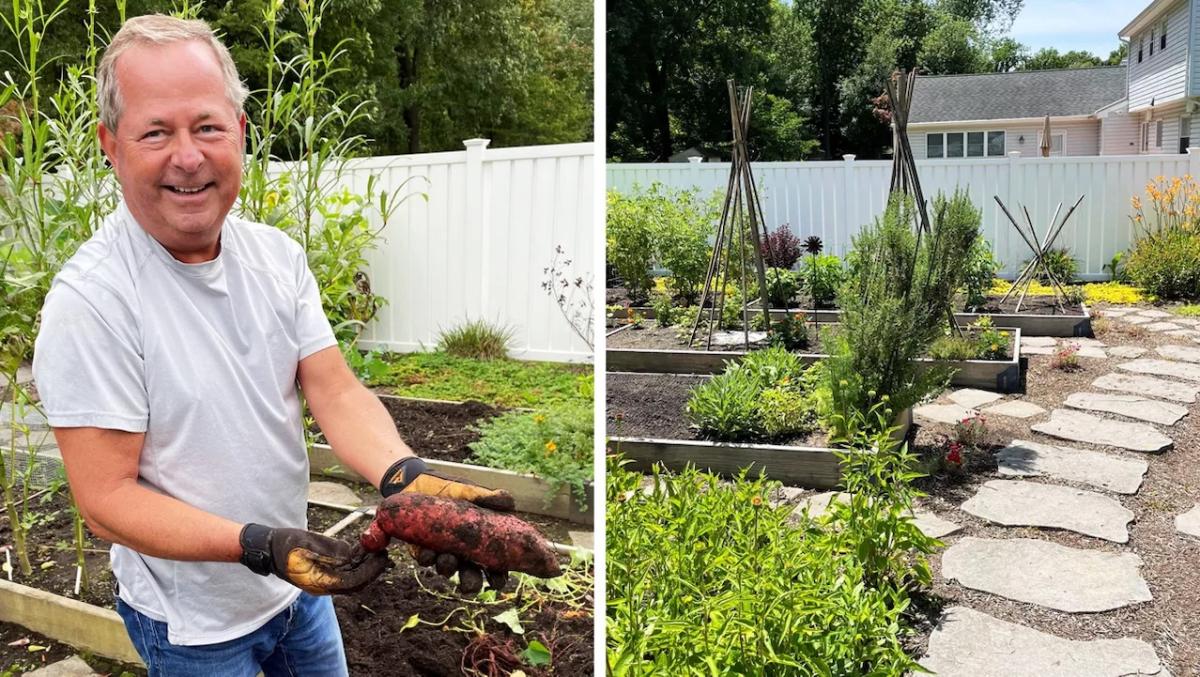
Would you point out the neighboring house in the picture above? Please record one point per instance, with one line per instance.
(1143, 106)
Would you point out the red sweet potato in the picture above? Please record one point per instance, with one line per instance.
(494, 541)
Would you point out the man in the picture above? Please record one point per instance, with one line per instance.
(167, 363)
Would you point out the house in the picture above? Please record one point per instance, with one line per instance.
(1143, 106)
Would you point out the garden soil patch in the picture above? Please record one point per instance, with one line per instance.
(1032, 305)
(438, 430)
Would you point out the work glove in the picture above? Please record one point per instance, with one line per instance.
(412, 475)
(314, 563)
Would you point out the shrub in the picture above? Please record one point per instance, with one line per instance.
(725, 407)
(789, 333)
(1060, 263)
(781, 249)
(477, 339)
(555, 444)
(785, 412)
(954, 348)
(981, 267)
(665, 312)
(822, 275)
(782, 285)
(630, 244)
(1166, 263)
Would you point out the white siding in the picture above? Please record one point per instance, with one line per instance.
(1119, 134)
(1160, 78)
(1081, 138)
(1193, 50)
(1171, 117)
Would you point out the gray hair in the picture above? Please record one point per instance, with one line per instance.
(159, 29)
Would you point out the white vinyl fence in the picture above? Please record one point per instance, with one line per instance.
(474, 247)
(833, 200)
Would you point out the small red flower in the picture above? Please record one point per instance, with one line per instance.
(954, 456)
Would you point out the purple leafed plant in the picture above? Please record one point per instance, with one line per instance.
(782, 248)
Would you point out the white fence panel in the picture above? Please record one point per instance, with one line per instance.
(833, 200)
(474, 245)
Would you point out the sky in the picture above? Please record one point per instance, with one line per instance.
(1089, 25)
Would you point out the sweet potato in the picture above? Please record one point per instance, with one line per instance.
(494, 541)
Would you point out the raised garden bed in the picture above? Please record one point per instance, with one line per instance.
(439, 432)
(646, 425)
(999, 375)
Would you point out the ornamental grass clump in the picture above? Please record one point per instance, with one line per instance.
(710, 577)
(478, 339)
(896, 301)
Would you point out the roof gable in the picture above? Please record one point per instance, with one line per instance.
(1022, 94)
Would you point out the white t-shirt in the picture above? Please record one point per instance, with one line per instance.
(202, 358)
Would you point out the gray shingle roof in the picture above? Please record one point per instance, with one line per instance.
(1028, 94)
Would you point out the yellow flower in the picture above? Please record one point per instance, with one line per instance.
(550, 447)
(995, 347)
(272, 199)
(538, 418)
(756, 501)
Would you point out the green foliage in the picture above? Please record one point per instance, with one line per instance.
(822, 275)
(630, 245)
(706, 577)
(477, 339)
(1060, 263)
(503, 383)
(956, 348)
(981, 267)
(782, 285)
(554, 444)
(765, 395)
(991, 343)
(1166, 263)
(895, 304)
(726, 406)
(665, 312)
(1116, 268)
(784, 412)
(1190, 310)
(788, 332)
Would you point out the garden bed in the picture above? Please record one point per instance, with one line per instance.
(646, 425)
(657, 351)
(439, 432)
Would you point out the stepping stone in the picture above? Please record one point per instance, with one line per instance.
(1183, 333)
(1153, 312)
(1189, 522)
(1126, 352)
(1015, 409)
(1190, 372)
(1184, 353)
(1148, 385)
(969, 643)
(972, 398)
(24, 375)
(933, 526)
(943, 413)
(1115, 312)
(1017, 503)
(1091, 351)
(1084, 342)
(1137, 319)
(70, 667)
(1162, 326)
(1133, 406)
(737, 338)
(333, 493)
(582, 539)
(1187, 321)
(1080, 427)
(1035, 350)
(1048, 574)
(816, 505)
(1106, 471)
(1039, 341)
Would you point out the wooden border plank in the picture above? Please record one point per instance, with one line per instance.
(83, 626)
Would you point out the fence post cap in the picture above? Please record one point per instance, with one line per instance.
(1014, 154)
(472, 143)
(849, 157)
(696, 159)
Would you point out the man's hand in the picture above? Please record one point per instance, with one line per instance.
(314, 563)
(412, 475)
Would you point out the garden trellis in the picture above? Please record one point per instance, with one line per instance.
(1040, 248)
(741, 210)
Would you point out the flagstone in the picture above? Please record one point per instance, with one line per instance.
(1022, 458)
(333, 493)
(1127, 352)
(1184, 353)
(943, 413)
(1183, 370)
(1021, 503)
(1189, 522)
(1162, 326)
(1083, 342)
(1154, 312)
(1149, 385)
(1136, 319)
(933, 526)
(1035, 350)
(1183, 333)
(969, 643)
(972, 398)
(737, 338)
(1047, 574)
(1092, 352)
(582, 539)
(1040, 341)
(1115, 312)
(69, 667)
(1133, 406)
(1080, 427)
(1189, 321)
(1015, 409)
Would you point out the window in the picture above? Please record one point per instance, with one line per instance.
(954, 144)
(1056, 143)
(1141, 47)
(1151, 42)
(934, 145)
(975, 147)
(995, 142)
(1162, 37)
(1158, 135)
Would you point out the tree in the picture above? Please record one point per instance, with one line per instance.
(952, 47)
(1118, 55)
(838, 29)
(1049, 58)
(1006, 55)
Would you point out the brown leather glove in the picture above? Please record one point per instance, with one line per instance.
(314, 563)
(412, 475)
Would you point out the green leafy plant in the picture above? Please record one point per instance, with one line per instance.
(554, 444)
(478, 339)
(1065, 357)
(1060, 263)
(785, 411)
(665, 312)
(1166, 263)
(1116, 268)
(766, 395)
(981, 267)
(503, 383)
(782, 285)
(630, 245)
(726, 406)
(955, 348)
(991, 343)
(1191, 310)
(822, 275)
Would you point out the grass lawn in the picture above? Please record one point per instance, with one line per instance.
(506, 383)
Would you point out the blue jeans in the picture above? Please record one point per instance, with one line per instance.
(303, 639)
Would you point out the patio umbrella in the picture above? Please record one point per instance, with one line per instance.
(1046, 138)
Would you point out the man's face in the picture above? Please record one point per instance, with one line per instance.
(177, 150)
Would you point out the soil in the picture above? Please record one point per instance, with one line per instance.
(16, 657)
(1032, 305)
(438, 430)
(1171, 622)
(653, 405)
